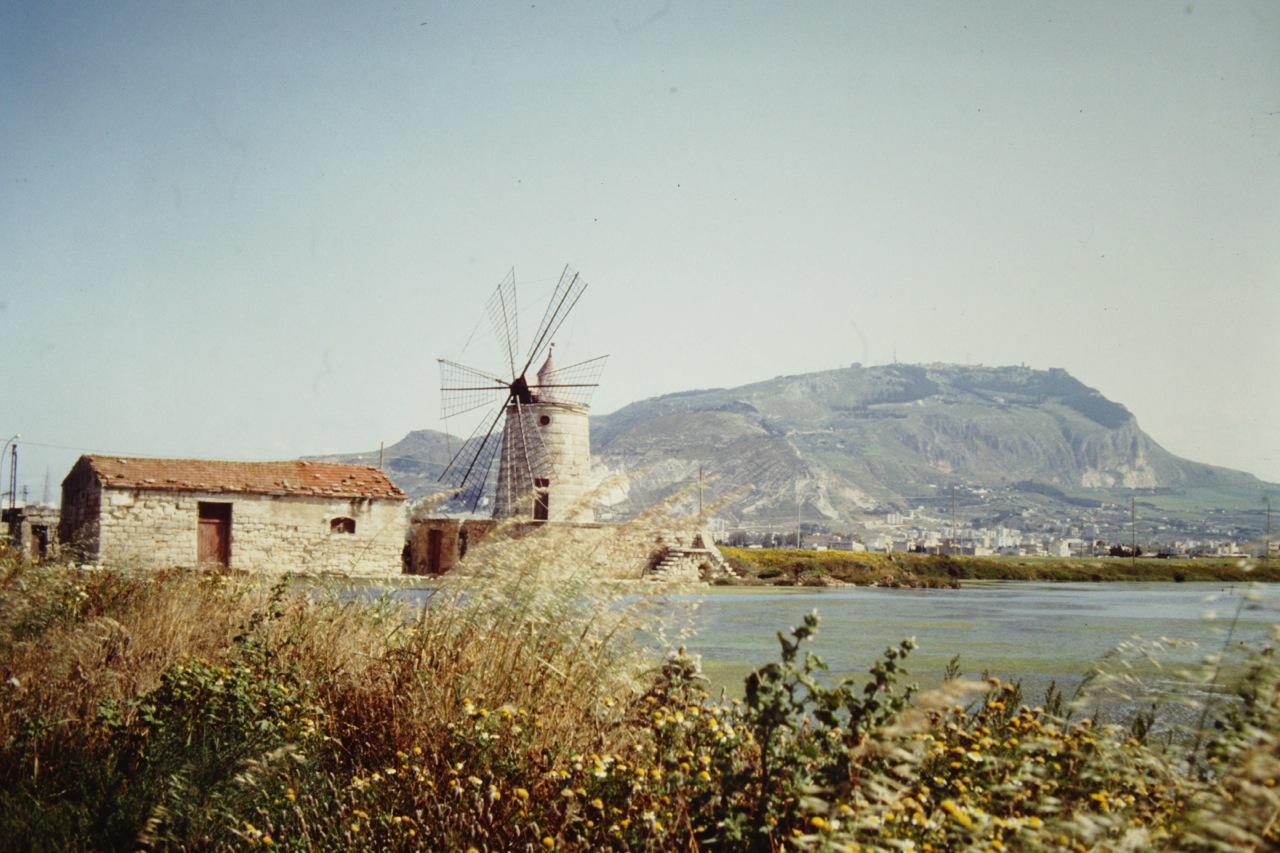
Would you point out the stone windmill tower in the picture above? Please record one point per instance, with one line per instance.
(544, 447)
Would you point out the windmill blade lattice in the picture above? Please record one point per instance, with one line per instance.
(466, 389)
(469, 468)
(568, 291)
(531, 458)
(506, 319)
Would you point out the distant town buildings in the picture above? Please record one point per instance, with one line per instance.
(917, 531)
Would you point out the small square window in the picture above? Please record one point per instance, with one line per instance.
(342, 525)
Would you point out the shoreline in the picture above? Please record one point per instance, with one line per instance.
(778, 567)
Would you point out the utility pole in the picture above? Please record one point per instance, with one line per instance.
(798, 546)
(381, 446)
(13, 475)
(15, 462)
(954, 535)
(699, 495)
(1133, 535)
(1266, 545)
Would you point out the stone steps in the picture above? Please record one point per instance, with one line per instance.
(690, 564)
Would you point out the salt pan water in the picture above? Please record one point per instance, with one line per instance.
(1036, 633)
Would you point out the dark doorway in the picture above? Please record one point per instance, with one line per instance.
(541, 499)
(213, 538)
(435, 551)
(39, 541)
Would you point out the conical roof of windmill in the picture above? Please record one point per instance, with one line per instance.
(547, 380)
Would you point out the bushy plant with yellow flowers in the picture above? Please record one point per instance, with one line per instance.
(520, 709)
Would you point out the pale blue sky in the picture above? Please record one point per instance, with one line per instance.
(247, 230)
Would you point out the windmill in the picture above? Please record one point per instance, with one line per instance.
(544, 447)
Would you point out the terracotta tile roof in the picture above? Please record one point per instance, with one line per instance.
(298, 477)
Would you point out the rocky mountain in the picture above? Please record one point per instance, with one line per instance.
(842, 447)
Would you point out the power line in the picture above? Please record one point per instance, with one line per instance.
(84, 449)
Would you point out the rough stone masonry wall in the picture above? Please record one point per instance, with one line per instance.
(78, 527)
(268, 533)
(456, 537)
(559, 450)
(629, 551)
(25, 525)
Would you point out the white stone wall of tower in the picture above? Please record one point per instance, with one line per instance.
(563, 457)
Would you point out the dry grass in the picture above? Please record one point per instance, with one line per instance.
(523, 706)
(85, 652)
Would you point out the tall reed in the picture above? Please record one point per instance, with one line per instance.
(526, 704)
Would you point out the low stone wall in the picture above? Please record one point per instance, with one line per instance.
(666, 549)
(436, 545)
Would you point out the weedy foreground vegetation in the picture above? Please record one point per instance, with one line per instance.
(522, 708)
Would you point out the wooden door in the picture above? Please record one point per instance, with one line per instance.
(435, 552)
(213, 536)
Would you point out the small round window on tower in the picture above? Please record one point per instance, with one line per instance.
(544, 420)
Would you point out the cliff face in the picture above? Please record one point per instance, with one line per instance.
(844, 442)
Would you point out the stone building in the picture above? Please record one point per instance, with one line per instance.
(276, 516)
(544, 478)
(33, 530)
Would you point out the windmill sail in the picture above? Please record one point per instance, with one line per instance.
(543, 444)
(566, 295)
(505, 318)
(574, 384)
(469, 467)
(468, 389)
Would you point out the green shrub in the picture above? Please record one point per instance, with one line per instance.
(514, 711)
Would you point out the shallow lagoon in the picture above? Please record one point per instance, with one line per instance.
(1036, 633)
(1039, 634)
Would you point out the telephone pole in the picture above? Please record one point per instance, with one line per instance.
(1133, 535)
(798, 546)
(13, 475)
(1266, 544)
(954, 534)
